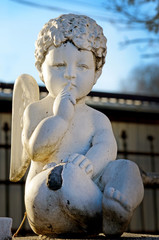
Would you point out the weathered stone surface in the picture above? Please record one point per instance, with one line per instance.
(5, 228)
(55, 179)
(73, 184)
(125, 236)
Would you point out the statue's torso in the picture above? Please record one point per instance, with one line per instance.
(77, 139)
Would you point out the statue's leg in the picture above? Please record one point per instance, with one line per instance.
(123, 192)
(82, 198)
(63, 199)
(45, 213)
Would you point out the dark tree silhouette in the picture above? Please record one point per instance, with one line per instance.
(137, 15)
(125, 14)
(142, 80)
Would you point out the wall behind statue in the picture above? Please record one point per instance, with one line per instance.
(138, 141)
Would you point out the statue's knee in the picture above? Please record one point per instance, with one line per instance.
(130, 166)
(121, 170)
(121, 165)
(125, 165)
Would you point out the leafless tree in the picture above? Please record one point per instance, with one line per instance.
(142, 80)
(137, 15)
(126, 15)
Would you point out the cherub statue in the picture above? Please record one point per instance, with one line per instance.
(73, 185)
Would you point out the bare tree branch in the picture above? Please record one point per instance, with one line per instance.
(139, 40)
(150, 55)
(132, 13)
(37, 5)
(135, 15)
(52, 8)
(143, 79)
(127, 15)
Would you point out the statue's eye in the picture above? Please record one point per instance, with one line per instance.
(59, 65)
(83, 66)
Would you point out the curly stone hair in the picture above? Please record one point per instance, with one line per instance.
(81, 30)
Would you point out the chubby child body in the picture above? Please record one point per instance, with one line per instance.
(74, 185)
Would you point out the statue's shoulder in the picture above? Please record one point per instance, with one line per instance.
(36, 112)
(31, 111)
(99, 118)
(32, 108)
(36, 108)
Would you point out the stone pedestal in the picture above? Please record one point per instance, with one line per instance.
(125, 236)
(5, 228)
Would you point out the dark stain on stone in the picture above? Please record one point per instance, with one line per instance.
(54, 181)
(50, 227)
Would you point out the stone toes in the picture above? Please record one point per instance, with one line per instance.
(110, 192)
(127, 206)
(117, 196)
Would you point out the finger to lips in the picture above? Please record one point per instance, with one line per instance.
(67, 87)
(65, 90)
(73, 100)
(66, 93)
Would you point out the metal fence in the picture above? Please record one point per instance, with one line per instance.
(146, 218)
(147, 215)
(18, 211)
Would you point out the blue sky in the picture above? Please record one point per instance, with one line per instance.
(20, 25)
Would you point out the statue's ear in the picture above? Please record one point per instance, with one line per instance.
(97, 75)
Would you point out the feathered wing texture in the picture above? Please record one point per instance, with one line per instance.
(25, 91)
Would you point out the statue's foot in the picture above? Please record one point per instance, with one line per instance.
(116, 212)
(117, 196)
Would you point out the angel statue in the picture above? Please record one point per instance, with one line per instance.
(73, 186)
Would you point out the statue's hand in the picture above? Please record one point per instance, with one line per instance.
(83, 162)
(64, 104)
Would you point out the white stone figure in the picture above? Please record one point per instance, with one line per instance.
(73, 185)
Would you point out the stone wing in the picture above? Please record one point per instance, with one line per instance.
(25, 91)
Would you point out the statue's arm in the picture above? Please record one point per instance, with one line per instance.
(104, 147)
(43, 138)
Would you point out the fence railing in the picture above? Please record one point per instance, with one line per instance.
(150, 179)
(120, 98)
(124, 154)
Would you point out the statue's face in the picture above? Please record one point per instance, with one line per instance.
(67, 65)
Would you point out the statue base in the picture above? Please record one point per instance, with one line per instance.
(125, 236)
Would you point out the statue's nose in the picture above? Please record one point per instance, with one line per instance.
(70, 73)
